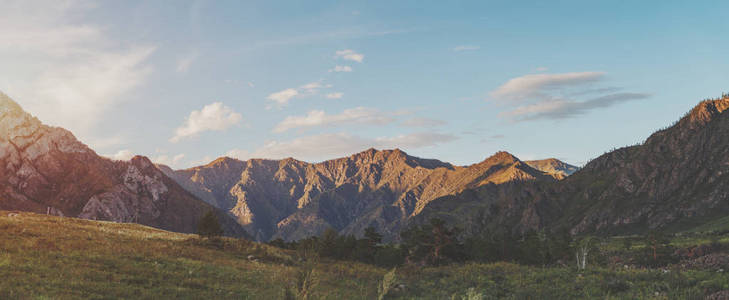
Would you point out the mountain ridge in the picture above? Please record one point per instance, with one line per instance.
(292, 199)
(47, 170)
(677, 178)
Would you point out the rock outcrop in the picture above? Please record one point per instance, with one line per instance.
(554, 167)
(291, 199)
(47, 170)
(677, 179)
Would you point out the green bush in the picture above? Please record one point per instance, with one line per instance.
(209, 226)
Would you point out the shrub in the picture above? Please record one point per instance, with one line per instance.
(209, 226)
(387, 283)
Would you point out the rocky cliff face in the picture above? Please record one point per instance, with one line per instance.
(554, 167)
(292, 199)
(678, 178)
(46, 170)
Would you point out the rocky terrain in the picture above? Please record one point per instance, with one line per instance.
(47, 170)
(554, 167)
(291, 199)
(676, 179)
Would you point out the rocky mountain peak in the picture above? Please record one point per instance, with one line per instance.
(142, 162)
(47, 170)
(553, 166)
(707, 110)
(14, 121)
(8, 105)
(502, 158)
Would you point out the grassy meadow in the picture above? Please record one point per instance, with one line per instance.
(44, 257)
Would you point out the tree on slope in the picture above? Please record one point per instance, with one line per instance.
(209, 226)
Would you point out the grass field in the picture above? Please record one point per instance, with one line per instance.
(43, 257)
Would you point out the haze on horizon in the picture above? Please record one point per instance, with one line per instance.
(185, 82)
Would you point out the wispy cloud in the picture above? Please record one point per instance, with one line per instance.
(171, 161)
(341, 69)
(337, 95)
(462, 48)
(558, 96)
(282, 98)
(124, 154)
(185, 62)
(349, 54)
(74, 74)
(539, 85)
(318, 118)
(563, 109)
(212, 117)
(326, 146)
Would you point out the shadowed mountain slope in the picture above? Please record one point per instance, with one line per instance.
(46, 170)
(554, 167)
(676, 179)
(291, 199)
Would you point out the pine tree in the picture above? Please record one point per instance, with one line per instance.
(209, 226)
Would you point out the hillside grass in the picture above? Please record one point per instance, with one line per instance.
(44, 257)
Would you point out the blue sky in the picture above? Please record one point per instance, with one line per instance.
(184, 82)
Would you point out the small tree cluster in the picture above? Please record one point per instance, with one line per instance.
(435, 243)
(209, 226)
(331, 244)
(530, 248)
(432, 244)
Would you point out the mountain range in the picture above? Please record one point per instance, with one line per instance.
(291, 199)
(47, 170)
(676, 178)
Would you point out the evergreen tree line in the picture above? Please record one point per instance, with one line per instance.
(435, 243)
(331, 244)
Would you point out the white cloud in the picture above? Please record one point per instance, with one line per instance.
(212, 117)
(349, 54)
(359, 115)
(414, 140)
(341, 69)
(466, 48)
(164, 159)
(336, 95)
(558, 96)
(239, 154)
(67, 73)
(566, 108)
(326, 146)
(542, 69)
(282, 98)
(539, 85)
(184, 62)
(121, 155)
(311, 87)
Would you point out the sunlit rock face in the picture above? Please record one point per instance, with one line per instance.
(47, 170)
(676, 175)
(554, 167)
(676, 179)
(291, 199)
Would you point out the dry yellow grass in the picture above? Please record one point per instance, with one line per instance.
(44, 256)
(64, 258)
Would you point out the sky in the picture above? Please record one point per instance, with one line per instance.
(185, 82)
